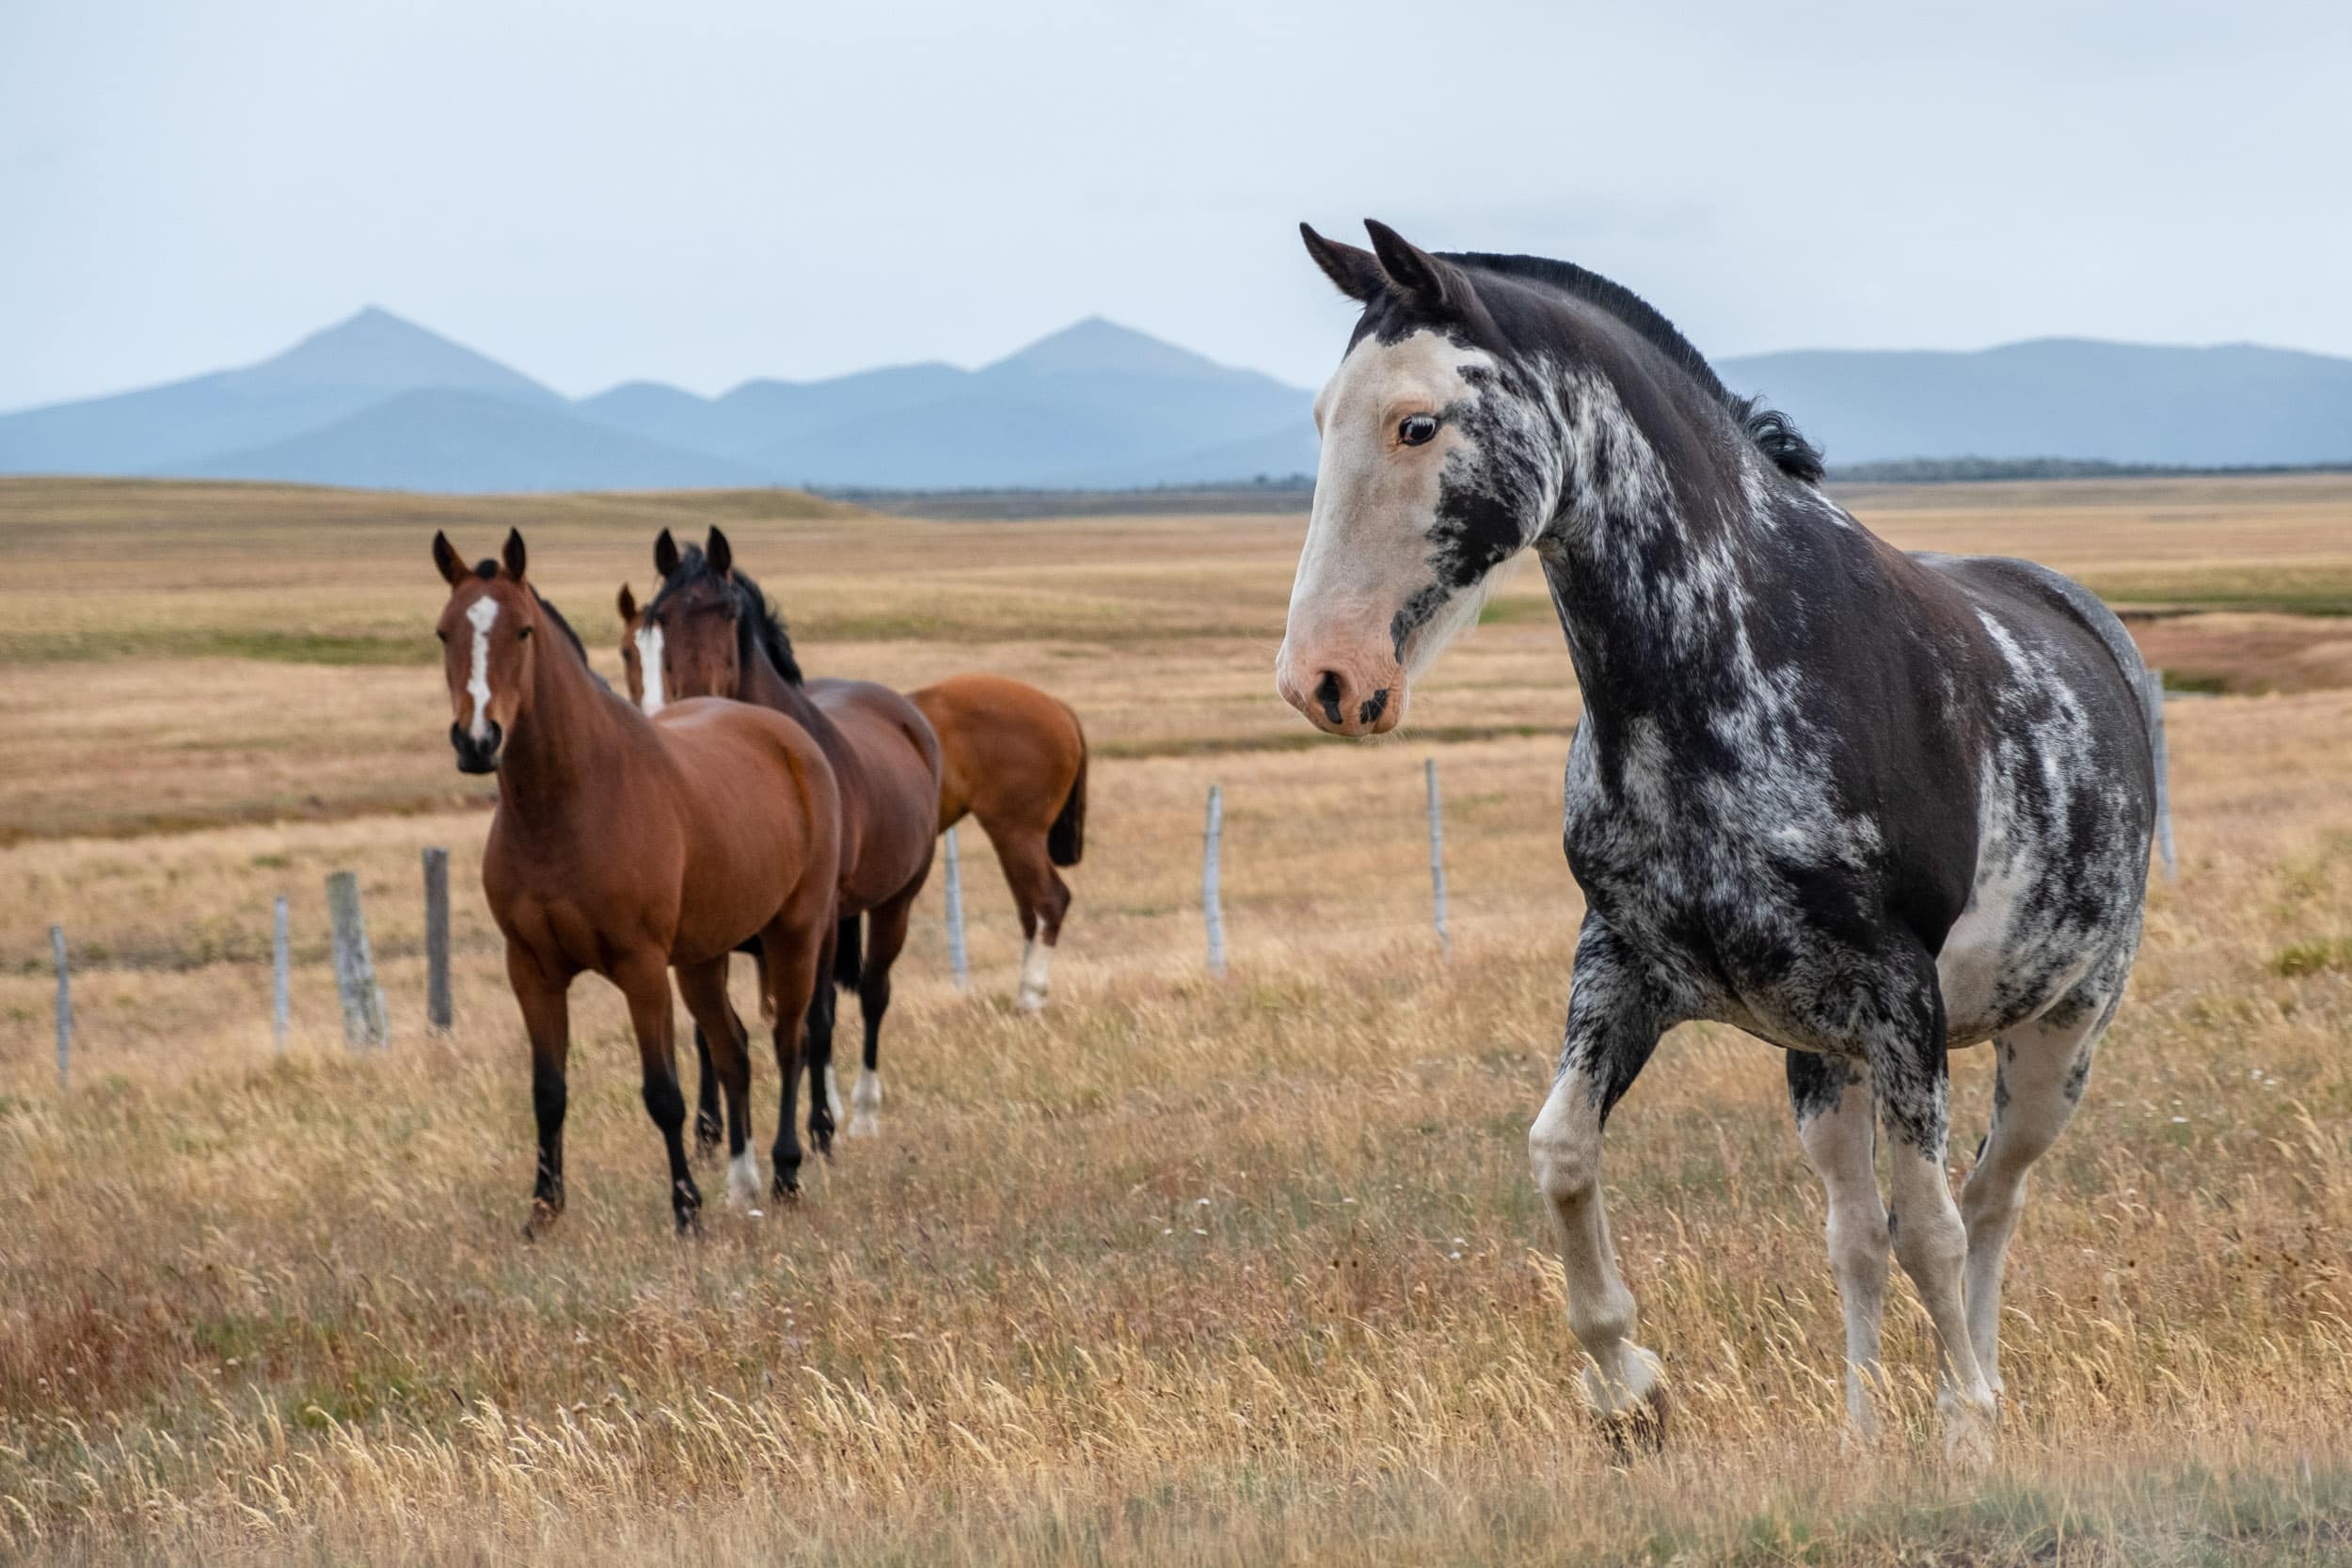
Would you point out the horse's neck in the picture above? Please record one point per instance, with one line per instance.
(764, 684)
(1661, 546)
(564, 742)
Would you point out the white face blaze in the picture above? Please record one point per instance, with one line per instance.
(1369, 538)
(649, 665)
(481, 615)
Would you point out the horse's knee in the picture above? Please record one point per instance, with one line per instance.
(1564, 1154)
(1928, 1239)
(664, 1103)
(1857, 1242)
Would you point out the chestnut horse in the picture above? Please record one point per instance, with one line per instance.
(710, 631)
(630, 847)
(1016, 759)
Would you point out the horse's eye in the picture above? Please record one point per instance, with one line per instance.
(522, 634)
(1417, 429)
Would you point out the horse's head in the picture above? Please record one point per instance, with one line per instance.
(488, 649)
(1433, 474)
(688, 641)
(632, 662)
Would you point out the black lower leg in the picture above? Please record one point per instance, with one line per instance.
(667, 1106)
(548, 1099)
(706, 1099)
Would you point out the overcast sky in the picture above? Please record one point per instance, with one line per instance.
(701, 193)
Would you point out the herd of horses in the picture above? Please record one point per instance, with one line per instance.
(730, 804)
(1867, 806)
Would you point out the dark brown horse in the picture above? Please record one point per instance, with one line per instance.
(1016, 759)
(710, 631)
(630, 847)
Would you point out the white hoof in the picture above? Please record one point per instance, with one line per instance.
(743, 1179)
(1636, 1382)
(1968, 1425)
(866, 1104)
(1027, 1000)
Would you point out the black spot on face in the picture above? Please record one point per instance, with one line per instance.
(1374, 706)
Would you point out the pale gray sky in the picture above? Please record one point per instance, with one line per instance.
(701, 193)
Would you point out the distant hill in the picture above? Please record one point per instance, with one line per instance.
(2233, 405)
(376, 400)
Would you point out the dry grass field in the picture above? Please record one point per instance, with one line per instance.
(1184, 1272)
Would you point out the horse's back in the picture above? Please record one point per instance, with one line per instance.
(2066, 798)
(1006, 749)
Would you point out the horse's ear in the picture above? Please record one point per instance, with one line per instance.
(514, 553)
(665, 555)
(1420, 280)
(719, 553)
(628, 603)
(1357, 271)
(446, 560)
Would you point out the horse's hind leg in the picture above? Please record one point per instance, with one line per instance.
(886, 937)
(1042, 899)
(705, 988)
(2042, 1071)
(824, 1012)
(1831, 1096)
(645, 981)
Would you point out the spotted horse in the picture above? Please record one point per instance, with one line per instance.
(1865, 805)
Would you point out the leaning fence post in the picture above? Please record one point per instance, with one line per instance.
(355, 967)
(2163, 788)
(65, 1007)
(281, 989)
(1212, 902)
(437, 1008)
(1436, 857)
(956, 957)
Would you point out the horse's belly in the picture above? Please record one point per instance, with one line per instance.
(2001, 966)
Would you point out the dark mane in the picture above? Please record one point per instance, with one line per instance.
(756, 622)
(1774, 434)
(546, 607)
(760, 619)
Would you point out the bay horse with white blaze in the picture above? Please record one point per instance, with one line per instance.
(629, 846)
(1867, 805)
(710, 631)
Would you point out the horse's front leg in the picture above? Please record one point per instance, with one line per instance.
(1615, 1020)
(1831, 1096)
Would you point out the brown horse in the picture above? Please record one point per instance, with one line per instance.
(1016, 759)
(710, 631)
(629, 848)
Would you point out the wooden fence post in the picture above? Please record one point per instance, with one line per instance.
(65, 1009)
(437, 1004)
(281, 988)
(2164, 787)
(1436, 857)
(956, 954)
(1212, 900)
(354, 966)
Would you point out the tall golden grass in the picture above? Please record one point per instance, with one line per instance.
(1185, 1270)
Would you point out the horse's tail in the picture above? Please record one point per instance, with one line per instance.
(1066, 840)
(849, 960)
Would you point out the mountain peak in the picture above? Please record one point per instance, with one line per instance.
(374, 350)
(1095, 347)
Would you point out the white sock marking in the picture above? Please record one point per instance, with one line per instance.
(832, 1093)
(1036, 959)
(649, 664)
(866, 1104)
(743, 1179)
(483, 612)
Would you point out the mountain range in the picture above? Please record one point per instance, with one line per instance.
(378, 402)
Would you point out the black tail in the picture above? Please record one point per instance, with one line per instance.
(849, 961)
(1066, 840)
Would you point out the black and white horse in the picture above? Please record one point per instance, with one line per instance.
(1865, 805)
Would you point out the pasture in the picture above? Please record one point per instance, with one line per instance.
(1184, 1271)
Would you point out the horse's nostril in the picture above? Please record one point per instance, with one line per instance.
(1327, 694)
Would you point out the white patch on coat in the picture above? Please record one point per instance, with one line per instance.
(743, 1179)
(866, 1104)
(1036, 959)
(482, 615)
(649, 665)
(832, 1093)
